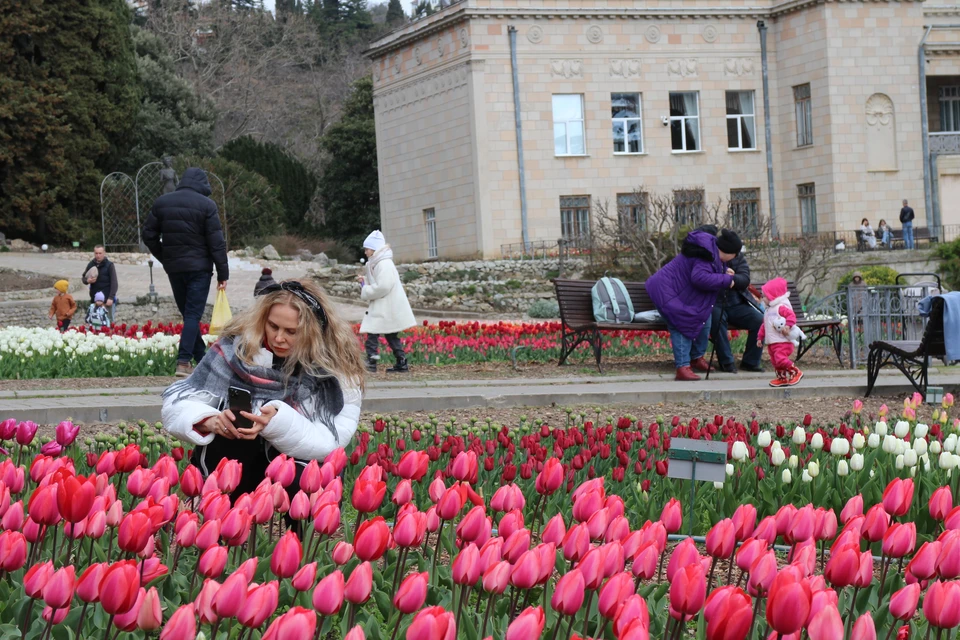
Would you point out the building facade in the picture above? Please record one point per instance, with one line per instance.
(620, 100)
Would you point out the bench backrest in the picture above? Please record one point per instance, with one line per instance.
(795, 301)
(576, 303)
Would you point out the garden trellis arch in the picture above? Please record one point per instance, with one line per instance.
(125, 203)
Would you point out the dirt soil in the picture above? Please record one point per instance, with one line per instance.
(24, 281)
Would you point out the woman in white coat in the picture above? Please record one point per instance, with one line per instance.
(389, 312)
(303, 370)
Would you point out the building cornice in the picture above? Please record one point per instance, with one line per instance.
(941, 10)
(463, 10)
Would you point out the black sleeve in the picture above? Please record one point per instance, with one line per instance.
(216, 244)
(741, 277)
(151, 235)
(114, 285)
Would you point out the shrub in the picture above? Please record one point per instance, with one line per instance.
(875, 275)
(410, 276)
(544, 309)
(949, 254)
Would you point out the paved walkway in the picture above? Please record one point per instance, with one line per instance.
(111, 405)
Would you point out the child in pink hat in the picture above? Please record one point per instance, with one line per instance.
(776, 332)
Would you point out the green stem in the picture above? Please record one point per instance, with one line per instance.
(853, 605)
(26, 618)
(436, 552)
(586, 614)
(486, 615)
(106, 636)
(756, 610)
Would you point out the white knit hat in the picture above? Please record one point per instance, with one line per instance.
(374, 241)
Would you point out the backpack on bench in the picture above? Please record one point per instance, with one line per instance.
(611, 302)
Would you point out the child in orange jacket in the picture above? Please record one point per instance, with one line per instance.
(63, 305)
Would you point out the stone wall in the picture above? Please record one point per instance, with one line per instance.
(34, 313)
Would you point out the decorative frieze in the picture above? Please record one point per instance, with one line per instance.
(595, 34)
(426, 88)
(535, 34)
(567, 69)
(736, 67)
(682, 67)
(624, 68)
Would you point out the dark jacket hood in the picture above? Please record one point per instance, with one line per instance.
(699, 244)
(195, 179)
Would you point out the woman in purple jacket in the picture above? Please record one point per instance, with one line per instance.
(685, 290)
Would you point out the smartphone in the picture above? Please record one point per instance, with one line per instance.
(240, 400)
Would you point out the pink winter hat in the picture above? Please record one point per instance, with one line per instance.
(775, 288)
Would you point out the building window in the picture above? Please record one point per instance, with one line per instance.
(568, 125)
(801, 99)
(808, 208)
(688, 206)
(950, 108)
(430, 219)
(745, 211)
(627, 127)
(575, 217)
(741, 129)
(685, 121)
(632, 211)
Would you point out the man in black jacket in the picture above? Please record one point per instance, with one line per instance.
(736, 308)
(106, 280)
(906, 221)
(183, 232)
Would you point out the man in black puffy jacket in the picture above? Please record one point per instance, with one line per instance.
(183, 232)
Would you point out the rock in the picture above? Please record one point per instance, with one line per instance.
(305, 254)
(22, 245)
(3, 238)
(333, 262)
(321, 259)
(269, 253)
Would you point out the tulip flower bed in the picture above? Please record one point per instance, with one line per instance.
(432, 531)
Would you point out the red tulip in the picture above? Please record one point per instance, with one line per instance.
(903, 603)
(843, 565)
(119, 587)
(36, 578)
(13, 551)
(826, 625)
(372, 539)
(897, 497)
(864, 628)
(941, 604)
(297, 624)
(212, 562)
(43, 505)
(367, 495)
(75, 498)
(150, 615)
(568, 595)
(788, 603)
(613, 594)
(359, 584)
(527, 626)
(728, 614)
(672, 516)
(466, 567)
(721, 539)
(941, 503)
(412, 593)
(286, 556)
(134, 532)
(432, 623)
(900, 540)
(261, 602)
(58, 590)
(413, 465)
(182, 624)
(876, 523)
(550, 477)
(688, 589)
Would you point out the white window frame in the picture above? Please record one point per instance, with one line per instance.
(739, 118)
(803, 106)
(807, 196)
(626, 122)
(949, 109)
(566, 124)
(574, 217)
(430, 223)
(683, 129)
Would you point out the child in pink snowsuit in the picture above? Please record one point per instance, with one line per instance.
(778, 341)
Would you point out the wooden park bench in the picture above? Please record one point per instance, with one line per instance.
(920, 234)
(578, 325)
(911, 357)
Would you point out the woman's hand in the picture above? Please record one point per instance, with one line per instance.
(732, 282)
(259, 422)
(221, 425)
(731, 272)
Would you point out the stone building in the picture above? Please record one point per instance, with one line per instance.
(619, 98)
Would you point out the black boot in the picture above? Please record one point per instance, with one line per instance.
(371, 364)
(401, 366)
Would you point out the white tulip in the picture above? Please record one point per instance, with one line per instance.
(945, 461)
(950, 444)
(842, 469)
(793, 461)
(856, 461)
(956, 460)
(813, 468)
(786, 477)
(805, 476)
(718, 486)
(909, 458)
(920, 446)
(900, 462)
(858, 441)
(925, 460)
(816, 442)
(739, 450)
(729, 470)
(890, 443)
(840, 446)
(777, 456)
(873, 441)
(799, 435)
(880, 428)
(775, 446)
(901, 429)
(920, 431)
(913, 472)
(935, 448)
(763, 439)
(902, 446)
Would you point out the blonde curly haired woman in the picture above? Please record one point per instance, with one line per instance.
(304, 370)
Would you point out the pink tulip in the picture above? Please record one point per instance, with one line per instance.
(827, 625)
(182, 624)
(634, 610)
(128, 621)
(58, 590)
(526, 626)
(688, 590)
(526, 571)
(721, 539)
(613, 594)
(342, 552)
(212, 562)
(496, 578)
(13, 551)
(941, 503)
(672, 516)
(555, 530)
(305, 578)
(645, 561)
(569, 593)
(898, 496)
(762, 574)
(683, 554)
(900, 540)
(853, 508)
(150, 615)
(286, 556)
(941, 604)
(876, 523)
(359, 584)
(36, 578)
(372, 539)
(864, 628)
(903, 603)
(948, 561)
(297, 624)
(261, 602)
(328, 594)
(412, 593)
(466, 566)
(232, 596)
(355, 634)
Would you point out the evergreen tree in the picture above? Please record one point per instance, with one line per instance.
(68, 86)
(395, 15)
(423, 8)
(173, 119)
(295, 183)
(349, 188)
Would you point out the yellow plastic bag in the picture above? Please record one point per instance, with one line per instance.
(221, 313)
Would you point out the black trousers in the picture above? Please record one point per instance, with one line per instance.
(372, 345)
(254, 455)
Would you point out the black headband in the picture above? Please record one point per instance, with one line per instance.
(297, 289)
